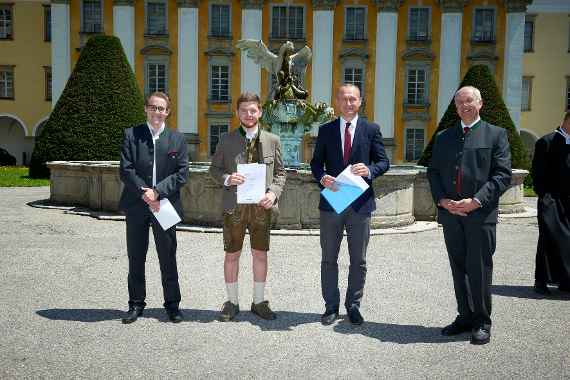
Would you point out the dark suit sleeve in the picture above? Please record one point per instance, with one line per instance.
(179, 176)
(318, 160)
(434, 174)
(378, 158)
(540, 167)
(500, 173)
(127, 171)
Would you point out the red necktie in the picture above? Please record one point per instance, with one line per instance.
(347, 144)
(465, 130)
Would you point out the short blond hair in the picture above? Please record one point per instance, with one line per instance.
(158, 94)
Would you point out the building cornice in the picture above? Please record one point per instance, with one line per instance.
(388, 5)
(187, 3)
(516, 5)
(324, 5)
(449, 6)
(129, 3)
(251, 4)
(60, 2)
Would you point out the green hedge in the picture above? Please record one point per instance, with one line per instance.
(101, 98)
(494, 111)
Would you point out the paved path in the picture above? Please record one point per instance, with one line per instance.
(63, 290)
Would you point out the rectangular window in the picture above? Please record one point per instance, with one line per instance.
(6, 82)
(92, 16)
(220, 20)
(355, 23)
(216, 132)
(354, 75)
(219, 83)
(526, 93)
(287, 22)
(47, 23)
(47, 82)
(156, 77)
(419, 24)
(416, 87)
(156, 18)
(484, 30)
(528, 36)
(5, 22)
(414, 143)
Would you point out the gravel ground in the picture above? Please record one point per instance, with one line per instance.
(63, 291)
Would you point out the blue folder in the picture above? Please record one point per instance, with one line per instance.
(343, 197)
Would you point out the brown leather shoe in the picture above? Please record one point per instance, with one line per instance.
(263, 311)
(228, 312)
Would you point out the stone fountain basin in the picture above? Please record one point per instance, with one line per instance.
(402, 194)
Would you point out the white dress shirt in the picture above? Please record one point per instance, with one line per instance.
(155, 136)
(350, 130)
(463, 125)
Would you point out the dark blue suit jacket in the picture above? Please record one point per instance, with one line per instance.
(367, 148)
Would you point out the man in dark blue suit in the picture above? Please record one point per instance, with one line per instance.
(348, 140)
(154, 166)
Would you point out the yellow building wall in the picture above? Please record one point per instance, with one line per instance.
(549, 65)
(29, 53)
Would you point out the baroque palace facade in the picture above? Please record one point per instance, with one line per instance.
(407, 57)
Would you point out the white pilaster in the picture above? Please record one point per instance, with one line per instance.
(124, 28)
(512, 77)
(450, 60)
(60, 49)
(322, 76)
(251, 23)
(385, 71)
(188, 70)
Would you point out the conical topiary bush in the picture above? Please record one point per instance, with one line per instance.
(101, 99)
(494, 111)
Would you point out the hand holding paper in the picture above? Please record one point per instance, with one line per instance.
(167, 215)
(349, 188)
(252, 190)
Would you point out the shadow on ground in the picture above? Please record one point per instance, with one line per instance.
(520, 291)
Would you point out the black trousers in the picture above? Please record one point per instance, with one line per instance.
(138, 223)
(470, 247)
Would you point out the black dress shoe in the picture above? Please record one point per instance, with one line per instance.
(564, 288)
(480, 335)
(329, 316)
(175, 315)
(132, 315)
(541, 288)
(455, 328)
(354, 316)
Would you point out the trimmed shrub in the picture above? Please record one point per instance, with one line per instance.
(494, 111)
(6, 159)
(100, 99)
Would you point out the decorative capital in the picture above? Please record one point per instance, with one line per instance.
(324, 5)
(388, 5)
(251, 4)
(187, 3)
(449, 6)
(129, 3)
(514, 6)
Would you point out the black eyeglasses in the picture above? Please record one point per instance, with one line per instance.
(152, 107)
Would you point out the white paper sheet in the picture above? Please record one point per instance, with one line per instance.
(253, 188)
(167, 215)
(348, 188)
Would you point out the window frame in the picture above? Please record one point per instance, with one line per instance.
(211, 32)
(211, 65)
(428, 24)
(47, 22)
(355, 65)
(83, 21)
(288, 31)
(216, 123)
(364, 35)
(414, 128)
(532, 22)
(493, 38)
(156, 60)
(427, 78)
(528, 107)
(147, 31)
(8, 24)
(11, 70)
(48, 83)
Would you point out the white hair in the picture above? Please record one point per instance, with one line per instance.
(475, 91)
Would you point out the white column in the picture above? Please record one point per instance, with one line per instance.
(251, 23)
(449, 61)
(385, 71)
(60, 49)
(512, 73)
(124, 29)
(188, 70)
(322, 75)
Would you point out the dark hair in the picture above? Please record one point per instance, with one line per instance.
(158, 94)
(247, 97)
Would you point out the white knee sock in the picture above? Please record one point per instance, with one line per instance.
(232, 289)
(258, 292)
